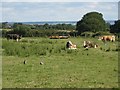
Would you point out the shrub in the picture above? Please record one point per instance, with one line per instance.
(87, 34)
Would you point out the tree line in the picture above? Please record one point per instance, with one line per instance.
(38, 30)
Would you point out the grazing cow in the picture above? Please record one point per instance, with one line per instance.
(53, 37)
(63, 37)
(69, 45)
(58, 37)
(13, 36)
(107, 38)
(89, 44)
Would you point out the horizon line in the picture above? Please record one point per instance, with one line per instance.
(55, 21)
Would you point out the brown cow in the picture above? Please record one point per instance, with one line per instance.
(53, 37)
(107, 38)
(58, 37)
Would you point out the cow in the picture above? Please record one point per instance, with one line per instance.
(70, 45)
(14, 37)
(63, 37)
(54, 37)
(58, 37)
(89, 44)
(107, 38)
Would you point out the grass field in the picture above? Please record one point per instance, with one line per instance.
(62, 68)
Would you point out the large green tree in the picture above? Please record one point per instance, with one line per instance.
(92, 22)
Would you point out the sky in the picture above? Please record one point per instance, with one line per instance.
(32, 11)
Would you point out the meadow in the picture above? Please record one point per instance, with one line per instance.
(61, 68)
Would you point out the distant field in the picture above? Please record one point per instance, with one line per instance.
(62, 68)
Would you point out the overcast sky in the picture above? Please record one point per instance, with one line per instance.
(14, 10)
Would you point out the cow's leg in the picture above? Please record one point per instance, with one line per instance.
(95, 46)
(84, 43)
(113, 40)
(17, 39)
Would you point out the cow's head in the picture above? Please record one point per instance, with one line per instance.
(100, 38)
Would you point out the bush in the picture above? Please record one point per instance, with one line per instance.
(87, 34)
(91, 34)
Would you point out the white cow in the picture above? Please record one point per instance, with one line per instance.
(70, 45)
(89, 44)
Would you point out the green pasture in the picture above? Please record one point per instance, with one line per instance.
(61, 68)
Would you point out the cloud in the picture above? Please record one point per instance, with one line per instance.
(0, 11)
(54, 11)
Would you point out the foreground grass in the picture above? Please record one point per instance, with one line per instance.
(92, 68)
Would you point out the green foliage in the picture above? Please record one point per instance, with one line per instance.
(87, 34)
(92, 22)
(5, 25)
(0, 33)
(96, 34)
(0, 25)
(4, 32)
(55, 27)
(116, 27)
(21, 29)
(42, 30)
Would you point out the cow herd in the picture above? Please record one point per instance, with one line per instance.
(13, 37)
(86, 44)
(69, 44)
(90, 44)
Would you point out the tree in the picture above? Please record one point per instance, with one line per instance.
(92, 22)
(4, 25)
(116, 27)
(21, 29)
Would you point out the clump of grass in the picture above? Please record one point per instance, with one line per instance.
(24, 40)
(32, 47)
(107, 50)
(70, 51)
(117, 49)
(31, 41)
